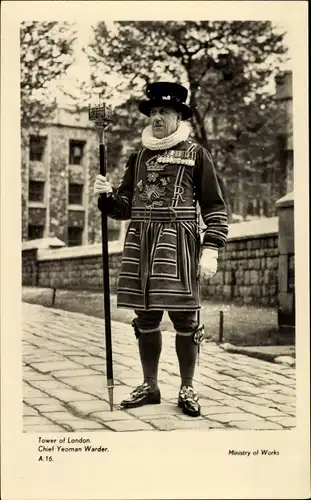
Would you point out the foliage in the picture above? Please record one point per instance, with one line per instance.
(228, 68)
(46, 50)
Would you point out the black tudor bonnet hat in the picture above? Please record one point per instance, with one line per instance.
(166, 94)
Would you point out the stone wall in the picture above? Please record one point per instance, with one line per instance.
(30, 249)
(286, 268)
(247, 272)
(78, 268)
(29, 267)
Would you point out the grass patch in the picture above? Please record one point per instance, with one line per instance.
(243, 325)
(268, 353)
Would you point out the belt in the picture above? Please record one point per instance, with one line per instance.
(163, 214)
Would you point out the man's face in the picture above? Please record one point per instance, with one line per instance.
(164, 121)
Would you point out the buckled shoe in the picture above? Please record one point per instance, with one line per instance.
(188, 401)
(142, 395)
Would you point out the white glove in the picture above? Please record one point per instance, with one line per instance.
(209, 262)
(102, 185)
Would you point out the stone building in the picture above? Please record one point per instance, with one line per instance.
(59, 165)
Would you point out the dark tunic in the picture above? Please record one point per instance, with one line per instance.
(160, 192)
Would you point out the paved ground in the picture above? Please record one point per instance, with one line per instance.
(64, 385)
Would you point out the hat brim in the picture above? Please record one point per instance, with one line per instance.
(146, 106)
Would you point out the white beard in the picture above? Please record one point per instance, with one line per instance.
(151, 142)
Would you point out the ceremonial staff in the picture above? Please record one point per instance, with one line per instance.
(101, 116)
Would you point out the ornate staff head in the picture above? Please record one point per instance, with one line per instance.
(101, 115)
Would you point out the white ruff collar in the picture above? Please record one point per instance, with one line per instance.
(151, 142)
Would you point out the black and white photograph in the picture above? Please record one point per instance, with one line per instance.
(157, 228)
(158, 275)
